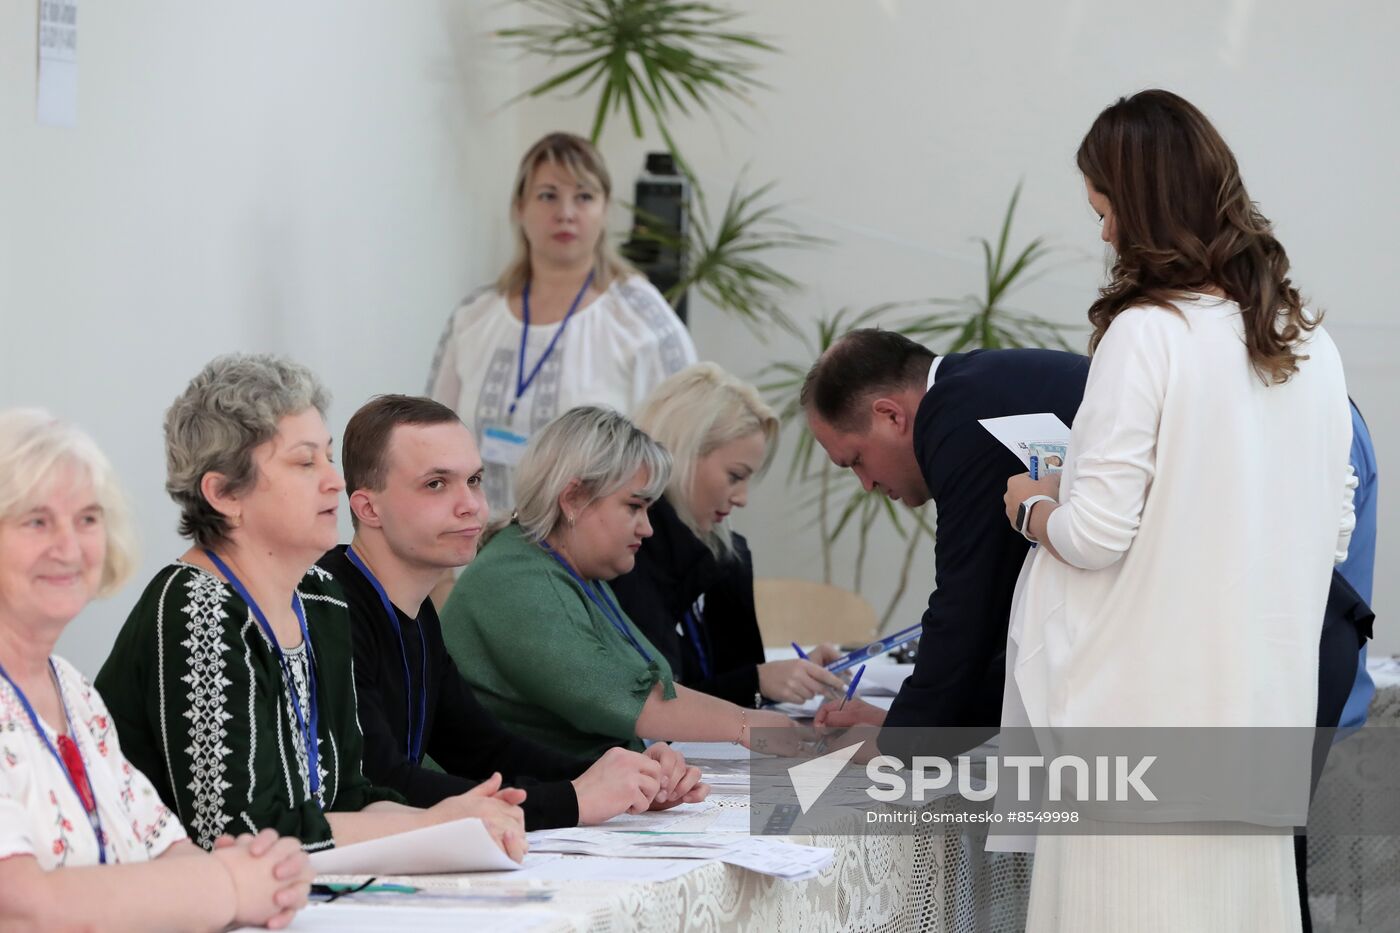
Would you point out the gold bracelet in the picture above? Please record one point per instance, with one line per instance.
(743, 725)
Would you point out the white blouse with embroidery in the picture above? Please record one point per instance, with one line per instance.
(613, 352)
(40, 815)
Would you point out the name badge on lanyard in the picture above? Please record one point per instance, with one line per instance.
(307, 721)
(503, 445)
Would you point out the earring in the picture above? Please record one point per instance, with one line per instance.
(236, 521)
(571, 520)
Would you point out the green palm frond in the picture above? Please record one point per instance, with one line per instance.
(781, 382)
(661, 56)
(984, 321)
(726, 260)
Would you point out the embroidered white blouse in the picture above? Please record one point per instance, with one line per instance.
(40, 815)
(614, 351)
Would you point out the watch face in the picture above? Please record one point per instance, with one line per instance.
(1021, 516)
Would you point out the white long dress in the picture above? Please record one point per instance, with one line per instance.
(1201, 514)
(613, 352)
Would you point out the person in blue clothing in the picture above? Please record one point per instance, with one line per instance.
(1359, 568)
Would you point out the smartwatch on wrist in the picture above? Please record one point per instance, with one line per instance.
(1023, 516)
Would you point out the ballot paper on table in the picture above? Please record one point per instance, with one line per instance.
(461, 845)
(551, 868)
(1017, 432)
(883, 680)
(712, 751)
(762, 854)
(659, 821)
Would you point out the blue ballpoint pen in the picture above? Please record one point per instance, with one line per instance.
(851, 690)
(888, 643)
(800, 653)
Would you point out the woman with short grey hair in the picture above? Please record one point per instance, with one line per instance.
(84, 838)
(231, 681)
(534, 626)
(229, 409)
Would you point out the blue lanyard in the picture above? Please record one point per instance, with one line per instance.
(415, 737)
(94, 818)
(522, 382)
(599, 599)
(692, 630)
(309, 725)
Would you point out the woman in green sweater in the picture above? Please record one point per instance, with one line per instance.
(534, 626)
(231, 683)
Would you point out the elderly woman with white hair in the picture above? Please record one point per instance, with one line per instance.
(534, 626)
(691, 591)
(231, 681)
(84, 838)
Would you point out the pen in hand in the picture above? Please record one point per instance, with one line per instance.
(851, 690)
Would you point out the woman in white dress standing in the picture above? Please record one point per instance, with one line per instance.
(568, 323)
(1187, 547)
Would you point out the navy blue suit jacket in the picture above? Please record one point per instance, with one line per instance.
(960, 668)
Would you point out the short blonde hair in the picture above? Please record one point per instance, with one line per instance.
(580, 159)
(34, 445)
(596, 446)
(231, 407)
(693, 413)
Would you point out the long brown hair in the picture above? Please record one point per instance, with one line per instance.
(578, 156)
(1184, 221)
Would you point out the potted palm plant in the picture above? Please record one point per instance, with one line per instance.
(655, 60)
(980, 320)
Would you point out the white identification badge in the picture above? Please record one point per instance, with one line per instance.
(502, 445)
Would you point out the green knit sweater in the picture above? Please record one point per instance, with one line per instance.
(542, 656)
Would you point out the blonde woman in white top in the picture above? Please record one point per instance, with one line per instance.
(85, 841)
(568, 323)
(1185, 552)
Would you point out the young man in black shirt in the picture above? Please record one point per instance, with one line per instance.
(413, 476)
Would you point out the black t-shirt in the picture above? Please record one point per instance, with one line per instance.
(459, 733)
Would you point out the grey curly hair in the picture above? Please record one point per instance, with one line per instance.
(231, 407)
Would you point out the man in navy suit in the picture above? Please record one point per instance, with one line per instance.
(906, 423)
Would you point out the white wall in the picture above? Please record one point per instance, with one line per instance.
(321, 179)
(325, 179)
(899, 128)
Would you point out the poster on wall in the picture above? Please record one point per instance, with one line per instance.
(57, 99)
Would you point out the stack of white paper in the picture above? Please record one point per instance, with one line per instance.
(462, 845)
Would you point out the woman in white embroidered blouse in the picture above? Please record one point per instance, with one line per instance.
(1186, 550)
(84, 838)
(568, 323)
